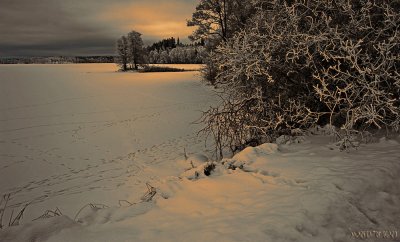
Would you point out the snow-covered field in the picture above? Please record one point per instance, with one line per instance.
(79, 134)
(75, 134)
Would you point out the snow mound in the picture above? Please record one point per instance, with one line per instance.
(322, 130)
(305, 192)
(288, 140)
(39, 230)
(197, 159)
(193, 161)
(250, 153)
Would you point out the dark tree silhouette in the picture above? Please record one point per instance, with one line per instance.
(136, 51)
(122, 52)
(219, 17)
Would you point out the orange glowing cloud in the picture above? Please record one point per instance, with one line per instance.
(161, 20)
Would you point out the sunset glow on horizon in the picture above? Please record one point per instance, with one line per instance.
(163, 20)
(55, 27)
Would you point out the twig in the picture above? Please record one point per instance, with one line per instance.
(126, 201)
(5, 198)
(12, 213)
(185, 154)
(150, 193)
(18, 217)
(49, 214)
(91, 205)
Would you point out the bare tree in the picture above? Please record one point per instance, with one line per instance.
(211, 18)
(136, 51)
(219, 17)
(122, 52)
(216, 21)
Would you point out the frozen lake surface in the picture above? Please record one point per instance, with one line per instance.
(77, 134)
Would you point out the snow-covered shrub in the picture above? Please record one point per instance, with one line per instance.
(302, 63)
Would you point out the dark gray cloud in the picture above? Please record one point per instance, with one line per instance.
(85, 27)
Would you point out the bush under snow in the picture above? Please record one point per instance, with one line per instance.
(301, 63)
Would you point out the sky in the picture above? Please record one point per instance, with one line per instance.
(87, 27)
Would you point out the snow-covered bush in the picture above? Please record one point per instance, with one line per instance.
(305, 62)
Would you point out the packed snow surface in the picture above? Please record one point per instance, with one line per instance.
(301, 189)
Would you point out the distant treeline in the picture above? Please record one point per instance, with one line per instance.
(171, 43)
(178, 55)
(133, 55)
(166, 51)
(171, 51)
(57, 60)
